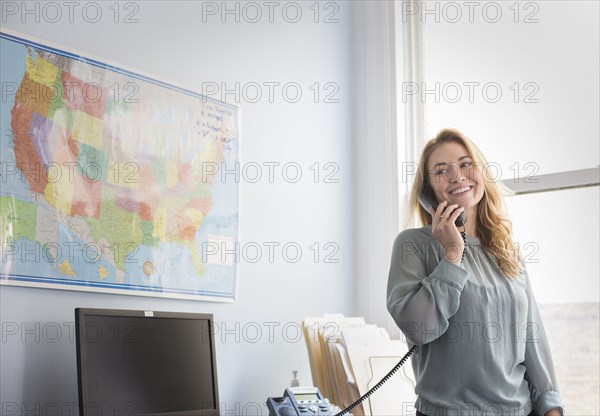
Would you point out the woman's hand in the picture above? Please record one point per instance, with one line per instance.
(445, 231)
(553, 412)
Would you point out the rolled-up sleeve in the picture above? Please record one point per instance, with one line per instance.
(538, 360)
(422, 303)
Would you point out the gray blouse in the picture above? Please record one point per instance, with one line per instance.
(482, 345)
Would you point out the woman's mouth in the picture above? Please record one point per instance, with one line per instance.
(461, 191)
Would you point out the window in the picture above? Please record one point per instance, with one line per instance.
(521, 80)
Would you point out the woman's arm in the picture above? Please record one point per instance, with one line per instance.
(421, 304)
(538, 361)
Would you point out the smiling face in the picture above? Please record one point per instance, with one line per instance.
(454, 178)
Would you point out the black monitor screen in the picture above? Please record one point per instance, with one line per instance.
(136, 362)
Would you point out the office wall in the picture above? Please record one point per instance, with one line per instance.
(197, 46)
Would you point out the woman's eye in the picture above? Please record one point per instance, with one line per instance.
(440, 172)
(466, 164)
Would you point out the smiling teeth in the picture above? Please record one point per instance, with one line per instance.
(460, 190)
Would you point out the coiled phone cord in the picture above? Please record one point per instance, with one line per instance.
(401, 362)
(463, 234)
(381, 382)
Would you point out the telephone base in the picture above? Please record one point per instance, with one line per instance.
(300, 401)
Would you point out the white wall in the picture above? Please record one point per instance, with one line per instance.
(376, 128)
(171, 42)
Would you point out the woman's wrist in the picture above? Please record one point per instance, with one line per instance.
(453, 255)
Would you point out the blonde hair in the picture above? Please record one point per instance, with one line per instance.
(493, 227)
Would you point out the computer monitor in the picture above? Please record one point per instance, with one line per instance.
(145, 363)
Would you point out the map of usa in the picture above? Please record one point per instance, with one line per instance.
(108, 177)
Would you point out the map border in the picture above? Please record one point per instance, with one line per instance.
(12, 279)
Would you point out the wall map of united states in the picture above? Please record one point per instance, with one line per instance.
(104, 178)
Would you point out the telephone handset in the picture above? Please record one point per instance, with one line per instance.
(427, 201)
(297, 401)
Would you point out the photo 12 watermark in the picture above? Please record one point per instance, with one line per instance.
(114, 172)
(471, 11)
(519, 172)
(270, 172)
(270, 12)
(224, 251)
(38, 332)
(254, 332)
(115, 408)
(471, 92)
(471, 332)
(290, 92)
(72, 92)
(65, 253)
(127, 12)
(523, 252)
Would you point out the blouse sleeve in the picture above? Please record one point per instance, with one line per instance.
(538, 360)
(421, 304)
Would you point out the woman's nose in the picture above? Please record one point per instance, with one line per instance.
(454, 173)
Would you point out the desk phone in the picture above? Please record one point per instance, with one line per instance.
(300, 401)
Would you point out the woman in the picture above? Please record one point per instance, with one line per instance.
(466, 300)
